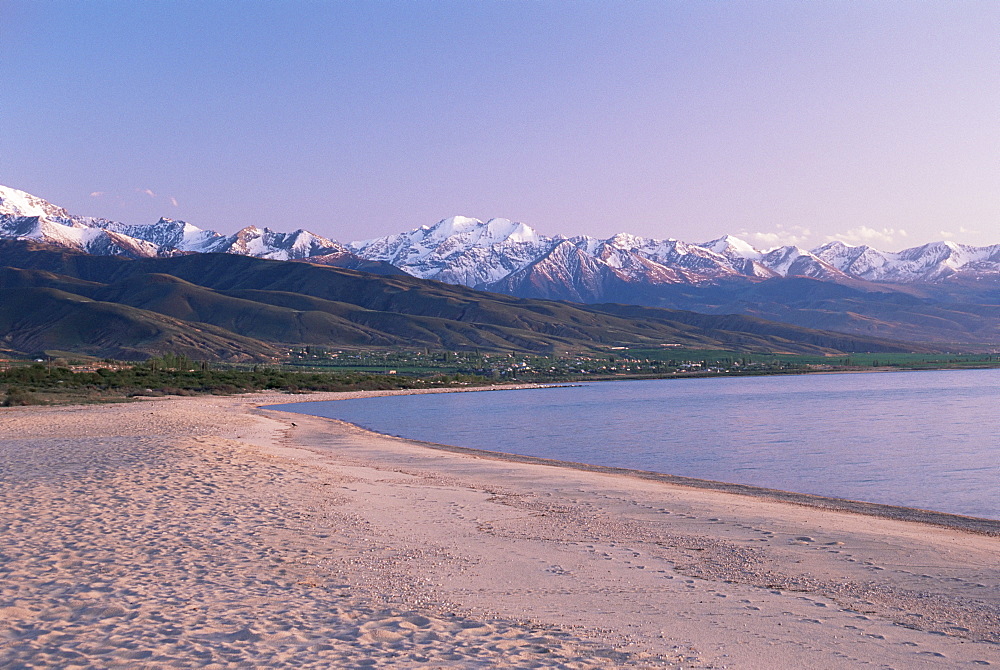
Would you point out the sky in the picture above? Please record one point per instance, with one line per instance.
(780, 122)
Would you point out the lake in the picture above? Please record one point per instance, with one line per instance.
(919, 439)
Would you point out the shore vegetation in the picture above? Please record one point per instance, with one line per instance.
(313, 369)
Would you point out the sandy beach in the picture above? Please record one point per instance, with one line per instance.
(208, 533)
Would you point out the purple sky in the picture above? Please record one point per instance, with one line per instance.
(781, 122)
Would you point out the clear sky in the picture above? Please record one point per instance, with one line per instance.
(781, 122)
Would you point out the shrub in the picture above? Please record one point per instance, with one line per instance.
(19, 397)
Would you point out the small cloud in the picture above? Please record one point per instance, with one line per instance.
(96, 194)
(864, 235)
(147, 191)
(173, 201)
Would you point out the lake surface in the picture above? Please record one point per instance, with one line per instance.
(918, 439)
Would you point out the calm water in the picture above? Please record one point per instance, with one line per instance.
(920, 439)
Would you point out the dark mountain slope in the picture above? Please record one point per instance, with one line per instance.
(45, 319)
(262, 303)
(352, 262)
(175, 297)
(939, 314)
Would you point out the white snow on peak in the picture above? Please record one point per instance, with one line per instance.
(451, 226)
(627, 241)
(835, 245)
(459, 249)
(189, 229)
(731, 246)
(19, 203)
(469, 251)
(23, 215)
(780, 259)
(475, 232)
(503, 230)
(589, 245)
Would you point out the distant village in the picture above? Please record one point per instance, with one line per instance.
(619, 361)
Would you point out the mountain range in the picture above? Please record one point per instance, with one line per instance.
(235, 307)
(941, 292)
(27, 217)
(502, 254)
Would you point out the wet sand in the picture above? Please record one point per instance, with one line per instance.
(204, 532)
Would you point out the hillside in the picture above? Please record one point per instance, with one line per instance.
(235, 307)
(943, 293)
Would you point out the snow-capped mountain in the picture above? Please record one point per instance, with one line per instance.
(24, 216)
(500, 255)
(21, 204)
(168, 234)
(507, 256)
(459, 250)
(564, 272)
(926, 263)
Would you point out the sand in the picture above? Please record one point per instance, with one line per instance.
(206, 533)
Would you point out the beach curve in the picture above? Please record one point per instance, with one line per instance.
(203, 532)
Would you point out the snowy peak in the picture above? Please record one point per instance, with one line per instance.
(65, 232)
(626, 242)
(473, 232)
(564, 272)
(455, 225)
(926, 263)
(836, 252)
(166, 233)
(24, 216)
(505, 230)
(793, 261)
(467, 251)
(934, 261)
(506, 255)
(459, 250)
(861, 262)
(266, 243)
(732, 247)
(19, 203)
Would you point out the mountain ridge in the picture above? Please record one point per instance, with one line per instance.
(480, 254)
(243, 308)
(941, 292)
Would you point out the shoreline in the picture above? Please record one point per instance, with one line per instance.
(972, 524)
(810, 535)
(206, 532)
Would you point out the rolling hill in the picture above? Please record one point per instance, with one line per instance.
(225, 306)
(942, 293)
